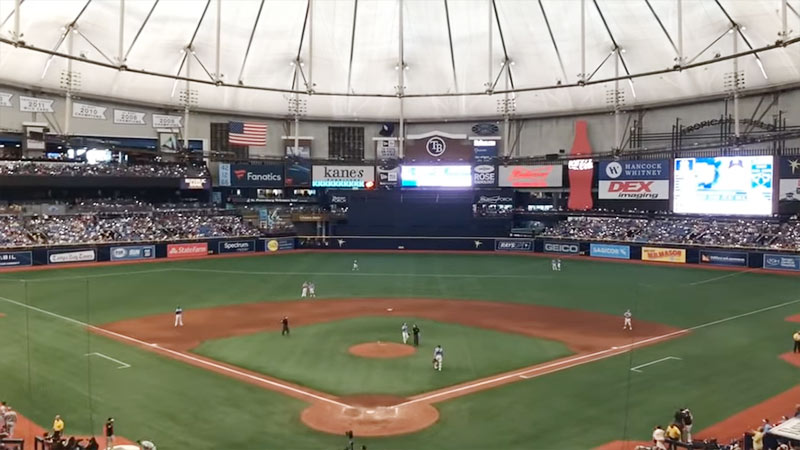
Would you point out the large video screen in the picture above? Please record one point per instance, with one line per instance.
(436, 176)
(729, 185)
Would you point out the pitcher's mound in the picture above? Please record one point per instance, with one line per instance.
(370, 416)
(382, 350)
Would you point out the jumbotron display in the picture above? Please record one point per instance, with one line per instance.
(736, 185)
(436, 176)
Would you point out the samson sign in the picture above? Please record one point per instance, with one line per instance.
(71, 256)
(717, 258)
(12, 259)
(505, 245)
(610, 251)
(274, 245)
(531, 176)
(133, 252)
(634, 180)
(782, 262)
(251, 175)
(187, 250)
(672, 255)
(561, 247)
(236, 247)
(341, 176)
(484, 175)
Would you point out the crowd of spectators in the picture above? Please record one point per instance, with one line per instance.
(90, 228)
(155, 170)
(745, 233)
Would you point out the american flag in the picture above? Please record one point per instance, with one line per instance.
(247, 133)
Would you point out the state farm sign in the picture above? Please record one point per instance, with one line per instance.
(187, 250)
(633, 189)
(531, 176)
(341, 176)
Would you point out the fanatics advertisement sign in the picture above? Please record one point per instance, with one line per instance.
(658, 254)
(341, 176)
(531, 176)
(251, 175)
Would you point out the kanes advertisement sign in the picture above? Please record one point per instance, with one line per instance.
(341, 176)
(634, 180)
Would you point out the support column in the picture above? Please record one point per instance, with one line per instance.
(17, 4)
(507, 114)
(735, 37)
(187, 95)
(310, 86)
(582, 78)
(68, 102)
(121, 46)
(784, 20)
(490, 63)
(616, 99)
(401, 78)
(219, 40)
(680, 32)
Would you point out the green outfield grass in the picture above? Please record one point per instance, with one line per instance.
(316, 356)
(725, 366)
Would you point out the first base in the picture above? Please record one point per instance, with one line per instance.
(389, 309)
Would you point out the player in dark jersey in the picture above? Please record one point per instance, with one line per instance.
(285, 325)
(109, 432)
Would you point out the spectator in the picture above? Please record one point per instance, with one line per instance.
(687, 417)
(766, 426)
(659, 437)
(58, 428)
(758, 439)
(10, 419)
(673, 432)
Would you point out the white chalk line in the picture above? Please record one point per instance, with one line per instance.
(178, 354)
(122, 365)
(584, 359)
(636, 369)
(81, 277)
(721, 277)
(363, 274)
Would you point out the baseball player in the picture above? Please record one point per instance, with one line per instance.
(178, 316)
(438, 356)
(312, 290)
(404, 331)
(556, 265)
(415, 331)
(304, 291)
(627, 324)
(285, 326)
(109, 432)
(355, 265)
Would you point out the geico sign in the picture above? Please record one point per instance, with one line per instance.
(560, 248)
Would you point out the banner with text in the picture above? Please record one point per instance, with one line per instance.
(531, 176)
(610, 251)
(634, 180)
(782, 262)
(133, 252)
(85, 111)
(71, 256)
(5, 99)
(124, 117)
(13, 259)
(33, 104)
(484, 175)
(513, 245)
(236, 247)
(658, 254)
(281, 244)
(341, 176)
(562, 247)
(719, 258)
(251, 175)
(190, 250)
(165, 121)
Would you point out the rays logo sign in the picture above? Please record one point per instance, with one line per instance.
(436, 147)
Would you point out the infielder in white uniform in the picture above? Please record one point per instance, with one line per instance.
(627, 324)
(355, 265)
(304, 291)
(178, 316)
(312, 290)
(438, 357)
(404, 331)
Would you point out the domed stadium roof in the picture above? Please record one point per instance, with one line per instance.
(252, 55)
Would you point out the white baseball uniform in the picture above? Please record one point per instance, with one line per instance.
(178, 317)
(404, 331)
(627, 324)
(355, 265)
(304, 291)
(312, 290)
(438, 357)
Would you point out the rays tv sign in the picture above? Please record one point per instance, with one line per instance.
(634, 180)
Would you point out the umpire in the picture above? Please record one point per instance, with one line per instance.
(415, 330)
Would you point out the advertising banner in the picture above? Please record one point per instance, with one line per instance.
(190, 250)
(195, 183)
(610, 251)
(782, 262)
(718, 258)
(388, 175)
(634, 170)
(275, 245)
(298, 173)
(236, 246)
(71, 256)
(484, 175)
(341, 176)
(5, 99)
(251, 175)
(33, 104)
(132, 252)
(789, 167)
(562, 247)
(386, 149)
(436, 176)
(580, 171)
(671, 255)
(531, 176)
(509, 245)
(633, 190)
(13, 259)
(789, 190)
(438, 146)
(485, 150)
(504, 198)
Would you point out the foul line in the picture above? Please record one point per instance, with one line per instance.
(122, 365)
(178, 354)
(363, 274)
(636, 369)
(591, 357)
(722, 277)
(81, 277)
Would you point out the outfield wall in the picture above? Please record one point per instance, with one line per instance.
(143, 251)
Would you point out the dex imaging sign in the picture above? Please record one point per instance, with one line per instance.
(634, 180)
(342, 176)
